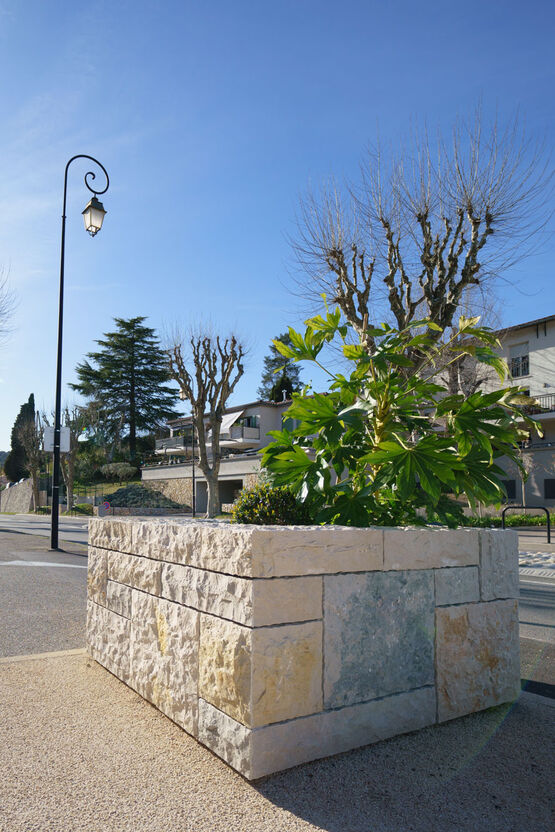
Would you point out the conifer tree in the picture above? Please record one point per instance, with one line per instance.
(15, 464)
(127, 381)
(273, 385)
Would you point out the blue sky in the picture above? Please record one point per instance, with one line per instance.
(212, 119)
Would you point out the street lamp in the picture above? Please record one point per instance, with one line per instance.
(93, 216)
(183, 397)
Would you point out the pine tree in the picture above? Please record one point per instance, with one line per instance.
(15, 464)
(273, 385)
(127, 381)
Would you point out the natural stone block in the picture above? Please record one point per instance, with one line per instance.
(106, 533)
(137, 572)
(118, 598)
(227, 738)
(256, 753)
(379, 635)
(430, 548)
(108, 640)
(477, 657)
(457, 585)
(97, 575)
(499, 564)
(225, 666)
(254, 603)
(264, 675)
(164, 540)
(164, 657)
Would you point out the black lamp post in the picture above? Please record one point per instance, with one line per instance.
(92, 216)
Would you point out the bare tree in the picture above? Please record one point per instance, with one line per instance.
(423, 226)
(30, 434)
(7, 305)
(216, 367)
(76, 419)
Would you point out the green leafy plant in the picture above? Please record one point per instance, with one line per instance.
(83, 508)
(269, 506)
(388, 445)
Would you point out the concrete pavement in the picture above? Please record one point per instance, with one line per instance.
(81, 751)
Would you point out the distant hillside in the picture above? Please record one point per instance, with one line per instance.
(3, 455)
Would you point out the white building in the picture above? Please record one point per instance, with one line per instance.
(529, 350)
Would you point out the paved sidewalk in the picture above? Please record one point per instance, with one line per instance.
(80, 751)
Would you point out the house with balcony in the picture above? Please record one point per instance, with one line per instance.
(529, 349)
(243, 435)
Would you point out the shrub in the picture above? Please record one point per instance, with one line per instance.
(119, 471)
(387, 444)
(137, 496)
(264, 505)
(83, 508)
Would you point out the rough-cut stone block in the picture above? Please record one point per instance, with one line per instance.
(108, 640)
(107, 533)
(137, 572)
(430, 548)
(379, 635)
(261, 676)
(164, 657)
(163, 540)
(477, 657)
(273, 748)
(226, 737)
(499, 564)
(225, 666)
(254, 603)
(97, 575)
(118, 598)
(457, 585)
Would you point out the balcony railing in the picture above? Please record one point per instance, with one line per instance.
(242, 432)
(543, 404)
(170, 442)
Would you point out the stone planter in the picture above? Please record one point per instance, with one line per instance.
(274, 646)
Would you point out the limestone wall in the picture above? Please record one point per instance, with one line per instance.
(274, 646)
(179, 490)
(18, 498)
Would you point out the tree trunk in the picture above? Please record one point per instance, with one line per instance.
(35, 482)
(213, 506)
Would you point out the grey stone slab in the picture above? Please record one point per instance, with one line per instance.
(499, 564)
(378, 635)
(457, 585)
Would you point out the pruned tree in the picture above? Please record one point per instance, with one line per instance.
(76, 419)
(30, 434)
(424, 225)
(216, 365)
(280, 375)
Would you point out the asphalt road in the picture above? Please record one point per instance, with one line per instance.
(537, 608)
(71, 529)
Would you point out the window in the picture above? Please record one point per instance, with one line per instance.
(248, 422)
(549, 489)
(519, 362)
(510, 488)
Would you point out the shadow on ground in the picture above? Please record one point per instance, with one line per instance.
(489, 771)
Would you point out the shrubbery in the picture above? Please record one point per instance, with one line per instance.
(83, 508)
(137, 496)
(264, 505)
(119, 471)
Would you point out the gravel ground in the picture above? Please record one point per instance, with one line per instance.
(80, 751)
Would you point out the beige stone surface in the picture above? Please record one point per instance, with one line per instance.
(255, 603)
(137, 572)
(430, 548)
(108, 533)
(226, 596)
(118, 598)
(168, 540)
(279, 747)
(286, 600)
(109, 639)
(261, 676)
(477, 657)
(225, 667)
(457, 585)
(286, 672)
(499, 564)
(97, 575)
(164, 657)
(226, 737)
